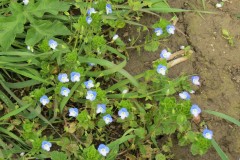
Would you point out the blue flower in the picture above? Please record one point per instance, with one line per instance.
(44, 100)
(207, 133)
(101, 108)
(103, 149)
(63, 77)
(75, 76)
(171, 29)
(25, 2)
(165, 54)
(64, 91)
(195, 110)
(90, 11)
(91, 95)
(184, 95)
(89, 19)
(195, 80)
(108, 119)
(89, 84)
(46, 145)
(73, 112)
(123, 113)
(108, 8)
(52, 44)
(161, 69)
(158, 31)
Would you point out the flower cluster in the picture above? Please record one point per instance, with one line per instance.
(91, 11)
(170, 30)
(63, 78)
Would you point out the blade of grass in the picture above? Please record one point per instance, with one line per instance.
(204, 4)
(6, 100)
(24, 84)
(108, 71)
(219, 150)
(123, 82)
(224, 116)
(14, 112)
(12, 135)
(113, 50)
(26, 74)
(108, 64)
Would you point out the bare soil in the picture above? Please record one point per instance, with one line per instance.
(214, 60)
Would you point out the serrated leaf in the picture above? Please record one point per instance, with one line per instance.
(44, 28)
(160, 157)
(9, 28)
(49, 6)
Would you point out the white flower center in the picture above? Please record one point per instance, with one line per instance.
(162, 71)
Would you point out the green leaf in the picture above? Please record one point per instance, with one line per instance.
(224, 116)
(160, 157)
(14, 112)
(219, 150)
(43, 28)
(140, 132)
(9, 28)
(49, 6)
(152, 46)
(55, 155)
(90, 153)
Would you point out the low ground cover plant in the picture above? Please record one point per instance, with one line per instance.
(65, 93)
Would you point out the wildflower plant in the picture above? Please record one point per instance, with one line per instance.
(72, 88)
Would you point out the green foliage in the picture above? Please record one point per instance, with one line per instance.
(154, 110)
(55, 155)
(90, 153)
(14, 24)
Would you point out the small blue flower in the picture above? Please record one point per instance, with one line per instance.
(73, 112)
(103, 149)
(89, 19)
(63, 77)
(75, 76)
(108, 8)
(101, 108)
(123, 113)
(165, 54)
(46, 145)
(25, 2)
(184, 95)
(89, 84)
(52, 44)
(108, 119)
(207, 133)
(91, 11)
(44, 100)
(161, 69)
(195, 80)
(91, 95)
(64, 91)
(158, 31)
(171, 29)
(195, 110)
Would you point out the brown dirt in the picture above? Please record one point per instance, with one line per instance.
(214, 60)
